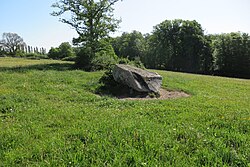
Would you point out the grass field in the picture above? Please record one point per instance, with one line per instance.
(49, 116)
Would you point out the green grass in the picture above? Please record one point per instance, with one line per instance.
(49, 116)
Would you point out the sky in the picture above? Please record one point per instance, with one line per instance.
(31, 19)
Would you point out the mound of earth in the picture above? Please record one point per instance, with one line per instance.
(164, 94)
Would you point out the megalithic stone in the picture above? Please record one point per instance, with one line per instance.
(137, 79)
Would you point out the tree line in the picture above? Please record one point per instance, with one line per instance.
(12, 44)
(176, 45)
(181, 45)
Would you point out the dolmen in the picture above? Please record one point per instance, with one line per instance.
(137, 79)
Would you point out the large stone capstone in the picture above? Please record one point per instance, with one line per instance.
(137, 79)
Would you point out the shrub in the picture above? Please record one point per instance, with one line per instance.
(103, 59)
(53, 53)
(83, 59)
(137, 62)
(63, 51)
(19, 53)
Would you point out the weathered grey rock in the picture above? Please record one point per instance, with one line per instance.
(136, 78)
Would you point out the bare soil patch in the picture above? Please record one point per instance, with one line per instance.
(164, 94)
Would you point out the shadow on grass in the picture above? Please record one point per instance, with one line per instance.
(40, 67)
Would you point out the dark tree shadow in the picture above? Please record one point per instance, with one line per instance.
(40, 67)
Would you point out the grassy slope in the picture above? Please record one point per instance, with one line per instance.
(50, 117)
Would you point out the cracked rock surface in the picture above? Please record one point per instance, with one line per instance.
(137, 79)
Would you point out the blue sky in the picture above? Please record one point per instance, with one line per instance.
(31, 19)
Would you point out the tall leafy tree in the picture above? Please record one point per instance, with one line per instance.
(178, 45)
(232, 54)
(194, 45)
(129, 45)
(12, 42)
(92, 20)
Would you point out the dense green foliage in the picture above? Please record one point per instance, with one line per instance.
(178, 45)
(65, 50)
(129, 45)
(175, 45)
(49, 116)
(92, 20)
(102, 59)
(181, 45)
(232, 54)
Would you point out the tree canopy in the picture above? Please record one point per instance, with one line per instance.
(92, 19)
(181, 45)
(178, 45)
(129, 45)
(12, 42)
(231, 54)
